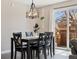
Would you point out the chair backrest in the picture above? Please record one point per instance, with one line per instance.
(49, 36)
(42, 38)
(29, 33)
(39, 41)
(17, 38)
(41, 35)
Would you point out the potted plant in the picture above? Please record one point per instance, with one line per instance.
(36, 28)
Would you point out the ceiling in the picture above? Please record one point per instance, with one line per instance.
(39, 3)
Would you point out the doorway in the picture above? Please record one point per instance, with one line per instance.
(65, 25)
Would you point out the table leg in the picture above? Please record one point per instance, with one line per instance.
(11, 48)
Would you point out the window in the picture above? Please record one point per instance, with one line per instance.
(65, 25)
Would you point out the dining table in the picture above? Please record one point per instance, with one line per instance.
(30, 38)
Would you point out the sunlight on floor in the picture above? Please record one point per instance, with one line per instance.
(63, 52)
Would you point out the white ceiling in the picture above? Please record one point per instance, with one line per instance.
(39, 3)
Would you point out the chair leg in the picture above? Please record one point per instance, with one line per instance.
(50, 51)
(31, 54)
(21, 55)
(28, 54)
(45, 53)
(15, 54)
(38, 54)
(24, 54)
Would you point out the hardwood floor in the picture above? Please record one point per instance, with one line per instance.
(59, 55)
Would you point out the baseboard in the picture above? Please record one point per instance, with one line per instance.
(6, 51)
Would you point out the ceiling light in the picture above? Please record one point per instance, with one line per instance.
(33, 13)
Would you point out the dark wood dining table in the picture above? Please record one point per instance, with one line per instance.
(29, 39)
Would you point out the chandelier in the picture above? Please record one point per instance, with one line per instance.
(33, 13)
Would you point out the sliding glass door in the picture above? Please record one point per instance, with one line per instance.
(65, 25)
(72, 23)
(61, 28)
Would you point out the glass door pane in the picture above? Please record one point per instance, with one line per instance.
(72, 23)
(61, 28)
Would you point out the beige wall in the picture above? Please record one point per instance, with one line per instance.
(47, 12)
(13, 20)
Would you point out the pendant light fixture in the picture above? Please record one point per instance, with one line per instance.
(33, 13)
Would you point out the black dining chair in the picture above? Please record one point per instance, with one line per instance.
(18, 47)
(39, 46)
(29, 33)
(46, 43)
(27, 49)
(49, 42)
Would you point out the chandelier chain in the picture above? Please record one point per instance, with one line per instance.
(32, 1)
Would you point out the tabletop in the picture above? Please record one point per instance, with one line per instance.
(30, 37)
